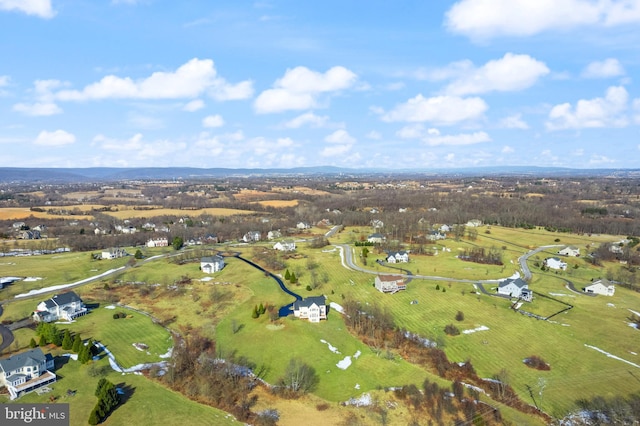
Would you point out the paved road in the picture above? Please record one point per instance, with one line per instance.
(6, 334)
(523, 260)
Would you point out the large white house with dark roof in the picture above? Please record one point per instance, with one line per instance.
(26, 371)
(65, 306)
(313, 309)
(211, 264)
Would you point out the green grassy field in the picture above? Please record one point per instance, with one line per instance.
(501, 340)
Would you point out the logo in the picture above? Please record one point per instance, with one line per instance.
(34, 414)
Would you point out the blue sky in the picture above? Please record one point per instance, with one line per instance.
(284, 83)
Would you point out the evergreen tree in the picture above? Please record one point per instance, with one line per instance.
(93, 417)
(32, 343)
(67, 343)
(42, 341)
(293, 278)
(77, 343)
(261, 309)
(255, 313)
(287, 275)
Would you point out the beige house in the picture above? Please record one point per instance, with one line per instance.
(390, 283)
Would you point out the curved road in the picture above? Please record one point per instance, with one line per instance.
(6, 334)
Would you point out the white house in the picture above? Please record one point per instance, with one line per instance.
(252, 236)
(312, 308)
(397, 256)
(555, 263)
(474, 223)
(570, 251)
(113, 253)
(515, 287)
(211, 264)
(26, 371)
(285, 245)
(375, 238)
(389, 283)
(303, 225)
(377, 223)
(158, 242)
(272, 235)
(65, 306)
(602, 287)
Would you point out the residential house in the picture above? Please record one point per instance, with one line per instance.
(272, 235)
(114, 253)
(285, 245)
(128, 229)
(323, 223)
(435, 235)
(24, 372)
(389, 283)
(474, 223)
(313, 309)
(149, 226)
(555, 263)
(158, 242)
(515, 287)
(444, 229)
(570, 251)
(18, 225)
(397, 256)
(211, 264)
(602, 287)
(65, 306)
(376, 238)
(303, 225)
(377, 223)
(252, 236)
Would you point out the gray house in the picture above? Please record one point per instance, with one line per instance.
(26, 371)
(515, 287)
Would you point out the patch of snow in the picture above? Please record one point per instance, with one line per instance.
(633, 353)
(364, 401)
(64, 322)
(72, 356)
(357, 386)
(63, 286)
(634, 312)
(345, 363)
(110, 307)
(168, 354)
(475, 388)
(562, 294)
(633, 325)
(336, 307)
(205, 279)
(612, 356)
(331, 347)
(481, 328)
(32, 279)
(515, 275)
(357, 354)
(611, 305)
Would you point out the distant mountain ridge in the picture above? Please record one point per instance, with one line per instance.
(110, 174)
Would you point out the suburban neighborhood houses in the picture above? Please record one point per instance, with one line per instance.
(313, 309)
(555, 263)
(570, 251)
(65, 306)
(26, 371)
(397, 256)
(515, 287)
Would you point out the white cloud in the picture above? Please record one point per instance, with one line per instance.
(138, 149)
(374, 135)
(414, 131)
(132, 144)
(144, 121)
(341, 142)
(509, 73)
(589, 113)
(483, 19)
(4, 80)
(38, 109)
(307, 119)
(213, 121)
(610, 67)
(194, 105)
(439, 109)
(459, 139)
(300, 88)
(513, 122)
(40, 8)
(55, 138)
(507, 149)
(340, 136)
(600, 160)
(190, 80)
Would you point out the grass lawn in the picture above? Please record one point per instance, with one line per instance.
(147, 402)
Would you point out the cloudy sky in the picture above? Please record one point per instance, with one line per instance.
(287, 83)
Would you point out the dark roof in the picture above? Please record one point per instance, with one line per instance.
(318, 300)
(517, 281)
(212, 259)
(31, 358)
(62, 299)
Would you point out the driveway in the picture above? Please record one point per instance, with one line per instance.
(5, 334)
